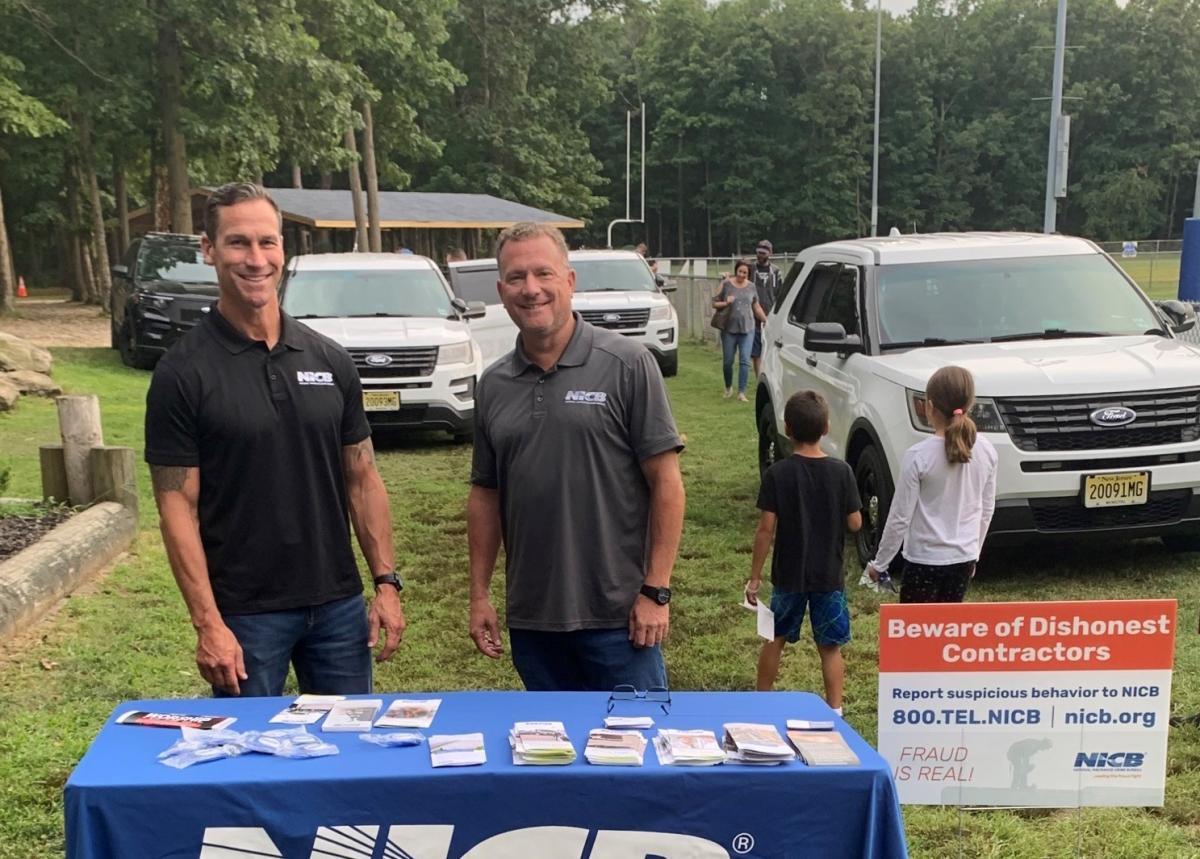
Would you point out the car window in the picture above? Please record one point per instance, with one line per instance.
(131, 255)
(814, 293)
(407, 292)
(789, 281)
(841, 300)
(475, 284)
(182, 262)
(613, 275)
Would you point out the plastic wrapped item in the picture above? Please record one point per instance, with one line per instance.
(883, 584)
(289, 743)
(202, 755)
(193, 740)
(394, 738)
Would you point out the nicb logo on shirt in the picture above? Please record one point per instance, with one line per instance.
(593, 398)
(314, 377)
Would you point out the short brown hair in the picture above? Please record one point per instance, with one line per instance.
(526, 230)
(951, 392)
(806, 416)
(230, 194)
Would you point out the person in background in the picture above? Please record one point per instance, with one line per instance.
(767, 280)
(642, 250)
(808, 502)
(456, 255)
(944, 499)
(739, 295)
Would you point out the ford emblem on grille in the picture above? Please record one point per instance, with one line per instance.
(612, 317)
(1112, 416)
(377, 359)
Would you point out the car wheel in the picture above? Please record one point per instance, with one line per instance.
(669, 364)
(875, 489)
(770, 449)
(1181, 542)
(131, 355)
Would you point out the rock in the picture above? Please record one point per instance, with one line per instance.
(18, 354)
(29, 382)
(9, 394)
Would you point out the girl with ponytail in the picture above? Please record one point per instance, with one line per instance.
(944, 499)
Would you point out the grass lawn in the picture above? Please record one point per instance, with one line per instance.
(127, 635)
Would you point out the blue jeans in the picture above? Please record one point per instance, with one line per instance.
(742, 343)
(586, 660)
(326, 643)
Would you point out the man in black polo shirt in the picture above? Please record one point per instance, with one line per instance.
(767, 280)
(260, 454)
(576, 468)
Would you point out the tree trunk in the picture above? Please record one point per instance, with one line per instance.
(73, 277)
(373, 229)
(8, 285)
(81, 287)
(707, 208)
(326, 180)
(297, 178)
(160, 197)
(170, 76)
(87, 162)
(122, 195)
(679, 190)
(356, 195)
(85, 271)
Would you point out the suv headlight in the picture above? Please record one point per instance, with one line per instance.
(984, 413)
(661, 313)
(456, 353)
(149, 299)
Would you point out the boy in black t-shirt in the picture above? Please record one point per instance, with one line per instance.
(808, 502)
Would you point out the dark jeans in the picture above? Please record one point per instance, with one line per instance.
(587, 660)
(935, 583)
(740, 342)
(326, 643)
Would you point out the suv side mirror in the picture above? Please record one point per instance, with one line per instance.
(120, 271)
(830, 337)
(1180, 315)
(469, 309)
(664, 285)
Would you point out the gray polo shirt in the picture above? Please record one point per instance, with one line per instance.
(564, 449)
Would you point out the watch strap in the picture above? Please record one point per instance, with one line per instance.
(389, 579)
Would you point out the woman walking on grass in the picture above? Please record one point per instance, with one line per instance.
(944, 500)
(739, 295)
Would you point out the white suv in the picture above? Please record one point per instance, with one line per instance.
(407, 334)
(613, 289)
(1091, 401)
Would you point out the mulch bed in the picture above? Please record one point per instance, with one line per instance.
(19, 531)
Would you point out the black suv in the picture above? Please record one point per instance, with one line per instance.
(161, 289)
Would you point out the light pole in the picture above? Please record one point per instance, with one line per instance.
(875, 150)
(1060, 41)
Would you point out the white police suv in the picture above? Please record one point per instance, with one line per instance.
(404, 329)
(1090, 399)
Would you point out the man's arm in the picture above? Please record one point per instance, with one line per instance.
(763, 535)
(648, 621)
(371, 516)
(483, 545)
(177, 494)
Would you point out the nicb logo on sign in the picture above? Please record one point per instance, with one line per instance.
(1109, 760)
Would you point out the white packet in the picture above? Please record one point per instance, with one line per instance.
(395, 738)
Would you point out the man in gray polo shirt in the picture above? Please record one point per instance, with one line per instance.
(576, 469)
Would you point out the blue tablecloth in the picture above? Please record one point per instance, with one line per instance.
(377, 802)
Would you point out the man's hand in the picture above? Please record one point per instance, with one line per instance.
(752, 587)
(485, 628)
(648, 622)
(385, 613)
(219, 657)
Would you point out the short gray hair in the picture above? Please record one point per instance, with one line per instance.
(525, 230)
(230, 194)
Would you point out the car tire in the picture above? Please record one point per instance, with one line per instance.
(669, 364)
(770, 445)
(875, 489)
(1181, 542)
(131, 355)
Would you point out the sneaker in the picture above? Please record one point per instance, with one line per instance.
(742, 397)
(728, 393)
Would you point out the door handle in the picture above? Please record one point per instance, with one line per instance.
(779, 344)
(810, 360)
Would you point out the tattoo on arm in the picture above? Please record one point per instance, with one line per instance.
(168, 478)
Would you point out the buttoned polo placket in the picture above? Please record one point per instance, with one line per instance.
(574, 355)
(236, 342)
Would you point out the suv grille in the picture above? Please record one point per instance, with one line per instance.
(632, 318)
(1161, 508)
(402, 362)
(1062, 423)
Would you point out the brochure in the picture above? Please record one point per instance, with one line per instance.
(635, 722)
(755, 744)
(457, 750)
(307, 709)
(688, 748)
(808, 725)
(175, 720)
(405, 713)
(823, 748)
(542, 743)
(352, 715)
(615, 748)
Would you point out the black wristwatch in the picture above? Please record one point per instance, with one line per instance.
(662, 596)
(389, 579)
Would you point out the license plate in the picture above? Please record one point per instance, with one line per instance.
(1116, 490)
(381, 401)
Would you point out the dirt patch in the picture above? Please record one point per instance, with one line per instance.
(19, 531)
(50, 322)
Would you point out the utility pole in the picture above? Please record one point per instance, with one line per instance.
(875, 151)
(1052, 161)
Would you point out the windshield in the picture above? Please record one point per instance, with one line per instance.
(476, 284)
(982, 300)
(183, 263)
(411, 292)
(624, 275)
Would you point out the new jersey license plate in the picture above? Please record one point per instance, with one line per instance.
(381, 401)
(1116, 490)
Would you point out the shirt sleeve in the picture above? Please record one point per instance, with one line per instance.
(483, 457)
(989, 500)
(904, 504)
(649, 421)
(172, 433)
(853, 501)
(355, 427)
(766, 492)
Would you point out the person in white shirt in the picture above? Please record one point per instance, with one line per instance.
(944, 499)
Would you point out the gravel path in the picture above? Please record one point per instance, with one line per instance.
(53, 322)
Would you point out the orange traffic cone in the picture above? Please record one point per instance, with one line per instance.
(22, 292)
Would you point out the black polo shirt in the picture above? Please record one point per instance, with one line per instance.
(266, 429)
(564, 448)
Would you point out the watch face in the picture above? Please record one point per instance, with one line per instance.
(664, 596)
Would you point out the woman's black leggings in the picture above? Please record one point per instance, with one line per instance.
(934, 582)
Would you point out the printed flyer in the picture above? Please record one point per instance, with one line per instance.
(1054, 704)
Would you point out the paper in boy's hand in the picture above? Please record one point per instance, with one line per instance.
(766, 621)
